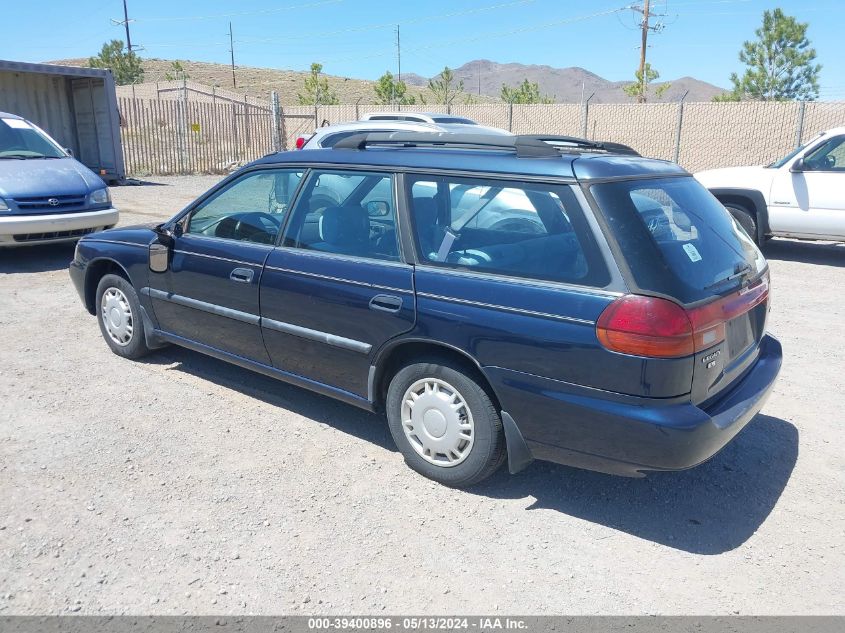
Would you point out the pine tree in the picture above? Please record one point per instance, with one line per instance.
(125, 66)
(779, 63)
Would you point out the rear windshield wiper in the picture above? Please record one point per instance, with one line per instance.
(740, 270)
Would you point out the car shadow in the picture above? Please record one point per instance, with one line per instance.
(322, 409)
(825, 253)
(708, 510)
(36, 259)
(138, 182)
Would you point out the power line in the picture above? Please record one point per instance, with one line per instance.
(378, 26)
(239, 13)
(436, 44)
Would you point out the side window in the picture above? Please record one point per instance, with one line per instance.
(347, 213)
(249, 209)
(829, 157)
(516, 229)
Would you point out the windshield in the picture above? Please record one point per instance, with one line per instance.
(783, 161)
(20, 139)
(677, 239)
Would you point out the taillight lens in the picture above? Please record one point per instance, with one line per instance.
(646, 326)
(659, 328)
(300, 141)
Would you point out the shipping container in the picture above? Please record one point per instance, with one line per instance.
(76, 106)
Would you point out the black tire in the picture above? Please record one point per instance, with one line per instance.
(487, 451)
(135, 345)
(746, 219)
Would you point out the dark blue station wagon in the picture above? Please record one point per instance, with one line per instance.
(497, 298)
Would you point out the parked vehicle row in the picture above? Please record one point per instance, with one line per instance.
(801, 195)
(499, 298)
(395, 122)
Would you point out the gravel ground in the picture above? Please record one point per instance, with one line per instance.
(183, 485)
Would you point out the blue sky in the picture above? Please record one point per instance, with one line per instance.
(356, 38)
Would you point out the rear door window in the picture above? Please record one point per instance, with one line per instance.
(518, 229)
(676, 238)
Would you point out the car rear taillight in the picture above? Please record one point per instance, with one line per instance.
(646, 326)
(301, 141)
(659, 328)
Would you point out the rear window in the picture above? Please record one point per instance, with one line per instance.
(677, 239)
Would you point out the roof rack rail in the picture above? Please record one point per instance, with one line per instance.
(575, 143)
(524, 147)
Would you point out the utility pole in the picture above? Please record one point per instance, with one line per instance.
(125, 23)
(646, 11)
(394, 84)
(398, 56)
(232, 52)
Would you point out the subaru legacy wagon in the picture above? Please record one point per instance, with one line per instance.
(498, 298)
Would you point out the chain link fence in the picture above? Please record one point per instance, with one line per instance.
(183, 127)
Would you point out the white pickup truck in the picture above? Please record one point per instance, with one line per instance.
(802, 195)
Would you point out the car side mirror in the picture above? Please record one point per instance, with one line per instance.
(798, 166)
(69, 151)
(378, 208)
(160, 249)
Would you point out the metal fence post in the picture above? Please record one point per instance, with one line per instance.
(274, 121)
(510, 116)
(182, 125)
(283, 133)
(678, 127)
(799, 128)
(585, 114)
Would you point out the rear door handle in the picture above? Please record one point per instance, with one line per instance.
(242, 275)
(386, 303)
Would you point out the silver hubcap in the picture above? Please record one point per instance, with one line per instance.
(117, 316)
(437, 422)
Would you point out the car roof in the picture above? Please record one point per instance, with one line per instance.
(583, 166)
(405, 113)
(9, 115)
(370, 125)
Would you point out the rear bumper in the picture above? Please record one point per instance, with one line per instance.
(24, 230)
(625, 435)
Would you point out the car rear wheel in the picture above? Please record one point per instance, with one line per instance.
(444, 423)
(745, 218)
(119, 315)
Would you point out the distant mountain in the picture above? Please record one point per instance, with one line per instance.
(564, 85)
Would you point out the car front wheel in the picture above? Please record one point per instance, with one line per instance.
(444, 423)
(119, 314)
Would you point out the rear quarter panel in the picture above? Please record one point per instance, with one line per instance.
(544, 330)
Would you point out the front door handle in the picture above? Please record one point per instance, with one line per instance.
(242, 275)
(386, 303)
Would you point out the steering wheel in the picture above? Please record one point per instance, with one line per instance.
(264, 234)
